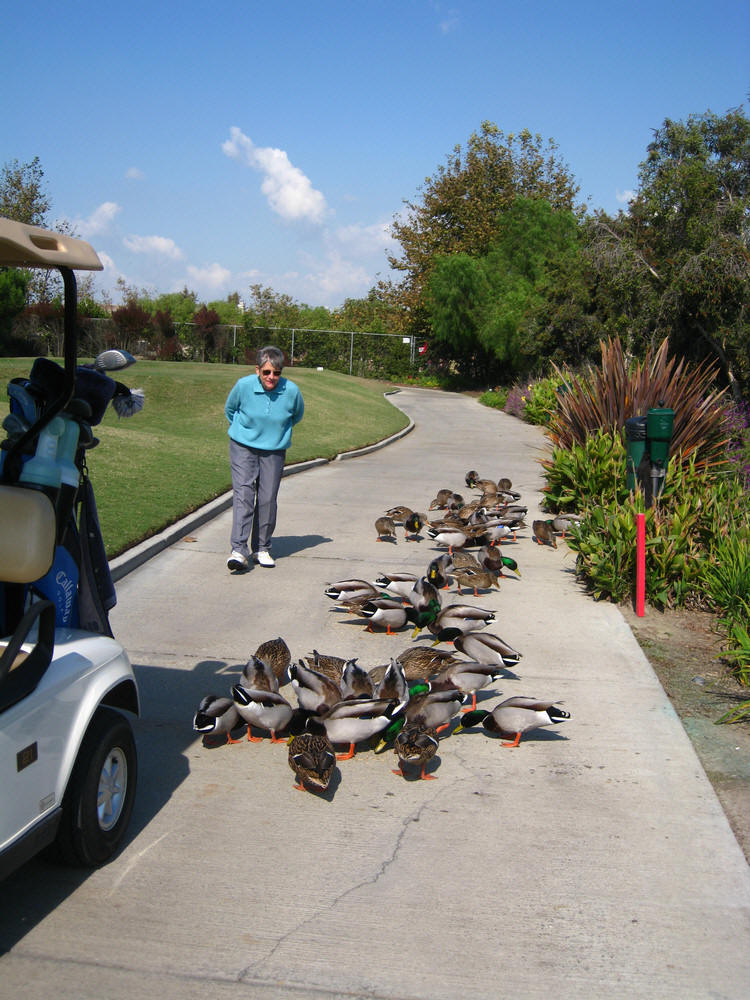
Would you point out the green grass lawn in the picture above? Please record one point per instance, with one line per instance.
(171, 458)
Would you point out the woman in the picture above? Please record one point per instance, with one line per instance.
(261, 410)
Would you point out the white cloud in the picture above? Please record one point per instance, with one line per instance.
(289, 192)
(163, 246)
(107, 262)
(363, 241)
(99, 220)
(625, 196)
(449, 18)
(211, 279)
(134, 174)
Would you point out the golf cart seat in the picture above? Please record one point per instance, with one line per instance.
(27, 548)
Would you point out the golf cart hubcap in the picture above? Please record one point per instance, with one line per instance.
(113, 783)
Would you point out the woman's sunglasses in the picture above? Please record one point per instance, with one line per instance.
(269, 371)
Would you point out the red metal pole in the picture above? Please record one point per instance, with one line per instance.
(640, 565)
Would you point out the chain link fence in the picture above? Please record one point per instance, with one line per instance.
(370, 355)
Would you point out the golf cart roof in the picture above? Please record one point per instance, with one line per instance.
(22, 245)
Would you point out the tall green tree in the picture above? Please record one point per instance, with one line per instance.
(522, 303)
(13, 284)
(23, 199)
(679, 260)
(461, 206)
(22, 194)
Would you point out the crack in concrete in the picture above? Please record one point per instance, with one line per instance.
(252, 970)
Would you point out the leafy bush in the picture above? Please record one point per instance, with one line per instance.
(738, 420)
(495, 398)
(684, 530)
(541, 400)
(585, 475)
(727, 578)
(606, 545)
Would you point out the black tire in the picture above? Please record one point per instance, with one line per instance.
(99, 798)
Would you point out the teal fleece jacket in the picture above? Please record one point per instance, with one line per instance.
(261, 419)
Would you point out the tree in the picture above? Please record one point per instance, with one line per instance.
(525, 301)
(22, 195)
(376, 313)
(228, 309)
(684, 241)
(133, 323)
(462, 205)
(181, 306)
(13, 284)
(23, 199)
(271, 309)
(205, 332)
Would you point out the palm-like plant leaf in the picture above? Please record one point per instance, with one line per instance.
(604, 397)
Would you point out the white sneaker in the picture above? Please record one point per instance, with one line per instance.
(265, 559)
(236, 561)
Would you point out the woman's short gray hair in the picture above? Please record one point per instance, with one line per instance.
(273, 355)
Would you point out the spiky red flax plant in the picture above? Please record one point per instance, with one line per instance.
(606, 396)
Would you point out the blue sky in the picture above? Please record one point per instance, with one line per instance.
(228, 144)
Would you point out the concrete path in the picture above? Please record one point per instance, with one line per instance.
(592, 861)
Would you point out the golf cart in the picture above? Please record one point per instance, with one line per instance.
(68, 762)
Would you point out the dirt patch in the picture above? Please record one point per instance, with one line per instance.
(684, 650)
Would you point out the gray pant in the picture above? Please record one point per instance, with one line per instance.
(254, 473)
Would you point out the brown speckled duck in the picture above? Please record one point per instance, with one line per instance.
(312, 758)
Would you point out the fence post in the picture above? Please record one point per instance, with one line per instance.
(291, 360)
(351, 351)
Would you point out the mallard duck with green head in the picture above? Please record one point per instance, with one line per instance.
(216, 717)
(424, 595)
(398, 584)
(349, 590)
(487, 648)
(514, 717)
(266, 710)
(458, 619)
(492, 559)
(399, 513)
(438, 571)
(413, 525)
(425, 709)
(351, 722)
(393, 615)
(466, 676)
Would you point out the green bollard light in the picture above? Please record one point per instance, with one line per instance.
(635, 447)
(659, 428)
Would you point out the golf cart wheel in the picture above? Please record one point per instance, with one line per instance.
(101, 792)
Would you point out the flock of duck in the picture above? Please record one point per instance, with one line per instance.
(409, 701)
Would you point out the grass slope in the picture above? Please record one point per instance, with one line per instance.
(172, 457)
